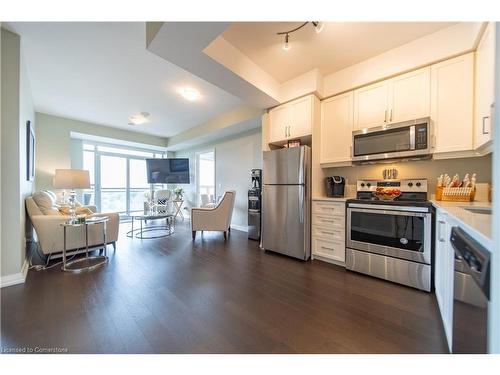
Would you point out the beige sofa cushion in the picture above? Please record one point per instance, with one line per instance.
(45, 203)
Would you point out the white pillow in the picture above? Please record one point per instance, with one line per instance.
(45, 203)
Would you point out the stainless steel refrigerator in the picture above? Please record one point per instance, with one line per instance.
(286, 202)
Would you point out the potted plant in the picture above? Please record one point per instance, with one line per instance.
(178, 193)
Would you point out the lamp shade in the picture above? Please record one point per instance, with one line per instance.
(71, 179)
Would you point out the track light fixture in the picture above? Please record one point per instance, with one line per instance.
(318, 26)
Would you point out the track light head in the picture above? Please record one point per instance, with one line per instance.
(318, 26)
(287, 45)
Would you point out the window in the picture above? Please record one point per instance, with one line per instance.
(117, 177)
(113, 184)
(89, 165)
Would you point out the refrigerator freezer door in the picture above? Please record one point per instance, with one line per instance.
(285, 220)
(285, 166)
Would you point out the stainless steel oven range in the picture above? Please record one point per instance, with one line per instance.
(391, 240)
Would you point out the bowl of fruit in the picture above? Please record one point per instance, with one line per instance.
(387, 194)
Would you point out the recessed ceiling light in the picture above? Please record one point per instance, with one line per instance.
(189, 93)
(138, 119)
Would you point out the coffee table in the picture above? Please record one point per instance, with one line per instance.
(168, 228)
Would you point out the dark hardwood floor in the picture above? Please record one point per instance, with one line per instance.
(171, 295)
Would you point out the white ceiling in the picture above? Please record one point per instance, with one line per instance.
(340, 44)
(102, 73)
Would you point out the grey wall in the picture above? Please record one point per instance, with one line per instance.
(17, 109)
(234, 158)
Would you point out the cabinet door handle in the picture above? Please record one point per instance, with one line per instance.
(390, 116)
(385, 115)
(327, 248)
(484, 131)
(286, 131)
(440, 227)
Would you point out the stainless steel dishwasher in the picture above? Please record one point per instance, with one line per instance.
(471, 294)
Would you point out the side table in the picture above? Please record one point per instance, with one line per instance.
(178, 207)
(89, 262)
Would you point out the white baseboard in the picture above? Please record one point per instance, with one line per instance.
(17, 278)
(243, 228)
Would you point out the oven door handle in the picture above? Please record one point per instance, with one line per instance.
(388, 207)
(388, 212)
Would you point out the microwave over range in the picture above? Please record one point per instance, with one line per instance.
(409, 139)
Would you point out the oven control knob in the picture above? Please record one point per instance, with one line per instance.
(362, 184)
(368, 184)
(418, 184)
(410, 184)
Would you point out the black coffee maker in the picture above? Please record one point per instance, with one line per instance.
(335, 186)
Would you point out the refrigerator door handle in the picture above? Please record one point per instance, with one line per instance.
(301, 166)
(301, 203)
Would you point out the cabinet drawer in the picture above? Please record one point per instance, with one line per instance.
(329, 249)
(331, 208)
(331, 234)
(328, 221)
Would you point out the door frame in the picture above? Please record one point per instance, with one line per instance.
(197, 174)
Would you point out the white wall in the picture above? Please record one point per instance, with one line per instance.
(234, 158)
(17, 109)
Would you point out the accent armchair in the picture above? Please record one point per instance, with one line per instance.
(217, 218)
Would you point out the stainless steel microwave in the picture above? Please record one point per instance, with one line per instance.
(407, 139)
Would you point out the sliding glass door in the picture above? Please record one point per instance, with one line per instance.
(113, 184)
(138, 184)
(118, 177)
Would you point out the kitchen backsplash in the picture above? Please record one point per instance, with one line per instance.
(430, 169)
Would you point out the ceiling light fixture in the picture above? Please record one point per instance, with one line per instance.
(318, 26)
(189, 93)
(139, 119)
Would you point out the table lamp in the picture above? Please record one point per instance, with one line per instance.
(72, 179)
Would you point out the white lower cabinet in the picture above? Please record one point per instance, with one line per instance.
(444, 272)
(328, 231)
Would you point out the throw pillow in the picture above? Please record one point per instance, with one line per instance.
(78, 210)
(45, 203)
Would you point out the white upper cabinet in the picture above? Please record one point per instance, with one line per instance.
(370, 105)
(292, 120)
(301, 117)
(402, 98)
(279, 120)
(336, 129)
(452, 98)
(410, 96)
(485, 86)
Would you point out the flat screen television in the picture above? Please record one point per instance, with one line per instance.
(168, 171)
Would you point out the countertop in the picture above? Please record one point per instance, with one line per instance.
(476, 224)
